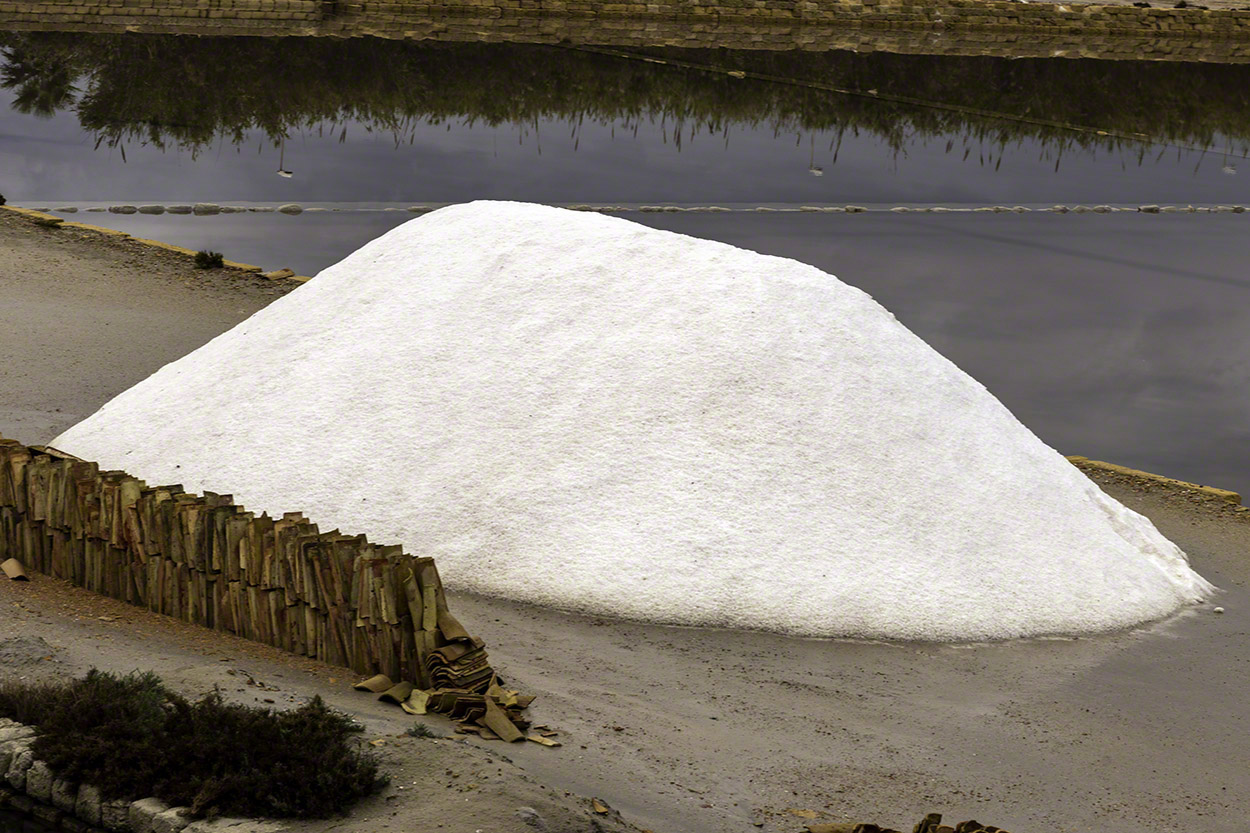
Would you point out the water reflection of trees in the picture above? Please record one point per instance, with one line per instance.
(170, 90)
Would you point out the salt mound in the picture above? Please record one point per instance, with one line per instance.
(575, 410)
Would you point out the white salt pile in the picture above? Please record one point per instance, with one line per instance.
(575, 410)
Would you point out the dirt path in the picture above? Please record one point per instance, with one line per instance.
(686, 729)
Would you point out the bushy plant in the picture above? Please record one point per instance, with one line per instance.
(245, 761)
(108, 731)
(208, 260)
(132, 737)
(26, 702)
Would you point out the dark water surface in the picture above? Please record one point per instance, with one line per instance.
(1124, 336)
(163, 118)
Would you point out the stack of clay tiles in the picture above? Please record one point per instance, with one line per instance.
(494, 713)
(932, 823)
(283, 582)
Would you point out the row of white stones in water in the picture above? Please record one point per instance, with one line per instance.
(205, 209)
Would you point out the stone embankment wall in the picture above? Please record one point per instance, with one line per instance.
(28, 786)
(203, 559)
(965, 27)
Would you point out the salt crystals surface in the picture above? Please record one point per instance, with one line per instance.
(576, 410)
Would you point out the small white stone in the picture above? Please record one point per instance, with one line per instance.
(20, 765)
(87, 805)
(64, 795)
(39, 782)
(143, 812)
(1218, 610)
(170, 821)
(15, 731)
(115, 815)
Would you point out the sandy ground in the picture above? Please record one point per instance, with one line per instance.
(53, 630)
(84, 316)
(688, 729)
(692, 730)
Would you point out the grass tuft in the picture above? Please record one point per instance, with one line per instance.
(208, 260)
(132, 737)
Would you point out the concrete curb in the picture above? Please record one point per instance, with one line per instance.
(1210, 491)
(50, 220)
(79, 808)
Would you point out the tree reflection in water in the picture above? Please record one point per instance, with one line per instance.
(189, 92)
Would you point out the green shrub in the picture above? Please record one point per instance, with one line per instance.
(92, 725)
(132, 737)
(297, 763)
(208, 260)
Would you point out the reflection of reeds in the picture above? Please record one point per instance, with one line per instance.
(190, 91)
